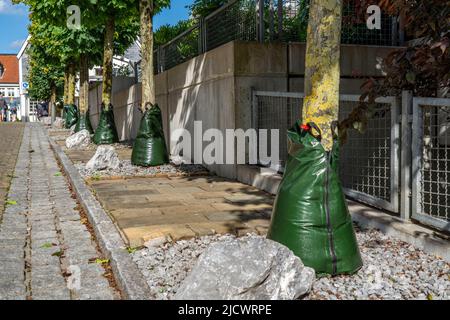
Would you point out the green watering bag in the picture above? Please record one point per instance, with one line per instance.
(106, 132)
(310, 214)
(70, 115)
(150, 146)
(84, 123)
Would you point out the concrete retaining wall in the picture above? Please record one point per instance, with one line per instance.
(216, 87)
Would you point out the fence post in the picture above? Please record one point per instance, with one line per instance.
(280, 19)
(406, 156)
(201, 36)
(260, 20)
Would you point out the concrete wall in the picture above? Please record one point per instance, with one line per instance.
(216, 87)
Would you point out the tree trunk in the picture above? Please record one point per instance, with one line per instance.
(147, 67)
(71, 85)
(53, 104)
(322, 73)
(66, 85)
(84, 84)
(108, 52)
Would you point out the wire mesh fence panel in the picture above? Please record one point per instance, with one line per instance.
(181, 49)
(295, 14)
(278, 113)
(366, 158)
(369, 161)
(431, 162)
(235, 21)
(356, 31)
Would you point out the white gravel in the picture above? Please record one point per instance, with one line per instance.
(126, 169)
(392, 270)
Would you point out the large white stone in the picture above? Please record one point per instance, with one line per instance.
(105, 157)
(252, 268)
(58, 123)
(79, 140)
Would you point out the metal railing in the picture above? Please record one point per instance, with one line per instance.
(265, 20)
(431, 162)
(369, 161)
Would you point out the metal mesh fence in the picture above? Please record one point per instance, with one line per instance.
(235, 21)
(181, 49)
(278, 113)
(432, 178)
(239, 20)
(295, 15)
(366, 158)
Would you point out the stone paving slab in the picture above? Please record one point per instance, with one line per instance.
(182, 207)
(43, 241)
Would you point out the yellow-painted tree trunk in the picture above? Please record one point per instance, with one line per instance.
(322, 73)
(84, 84)
(148, 78)
(53, 103)
(108, 54)
(71, 85)
(66, 86)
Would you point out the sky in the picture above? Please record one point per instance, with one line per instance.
(14, 22)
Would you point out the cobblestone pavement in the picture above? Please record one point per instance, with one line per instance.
(11, 135)
(46, 250)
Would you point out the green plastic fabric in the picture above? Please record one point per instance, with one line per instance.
(106, 132)
(310, 214)
(150, 146)
(70, 115)
(84, 123)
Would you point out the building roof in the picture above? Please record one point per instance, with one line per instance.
(10, 65)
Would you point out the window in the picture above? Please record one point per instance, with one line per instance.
(2, 70)
(10, 92)
(2, 92)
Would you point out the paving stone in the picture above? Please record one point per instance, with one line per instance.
(43, 235)
(52, 294)
(12, 290)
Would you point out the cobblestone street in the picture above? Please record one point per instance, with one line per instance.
(46, 249)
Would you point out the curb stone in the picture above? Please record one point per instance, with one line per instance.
(128, 276)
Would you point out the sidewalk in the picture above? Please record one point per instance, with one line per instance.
(47, 251)
(11, 135)
(147, 208)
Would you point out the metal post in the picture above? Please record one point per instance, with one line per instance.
(271, 20)
(406, 156)
(260, 21)
(202, 36)
(280, 19)
(395, 33)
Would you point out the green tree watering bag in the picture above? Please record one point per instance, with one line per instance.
(310, 214)
(150, 146)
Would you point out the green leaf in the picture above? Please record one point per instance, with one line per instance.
(47, 245)
(101, 261)
(131, 250)
(59, 174)
(58, 253)
(11, 202)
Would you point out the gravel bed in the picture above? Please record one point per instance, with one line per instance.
(126, 169)
(392, 270)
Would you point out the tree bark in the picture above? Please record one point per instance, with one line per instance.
(84, 84)
(322, 73)
(66, 85)
(71, 85)
(108, 53)
(148, 77)
(53, 104)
